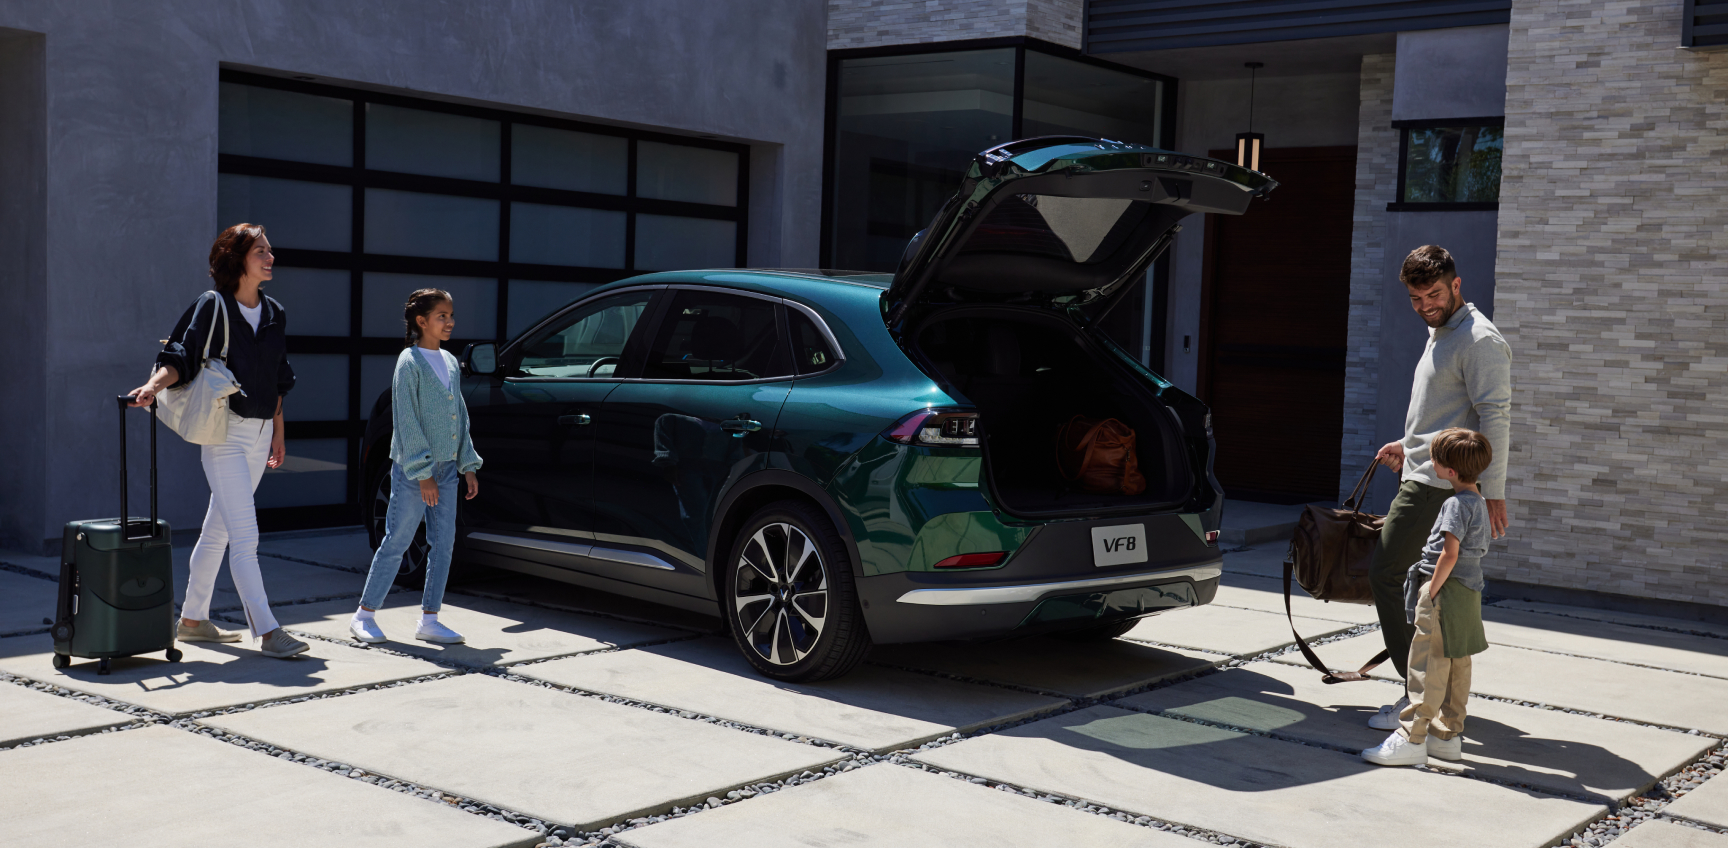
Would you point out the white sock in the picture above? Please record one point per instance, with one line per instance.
(428, 618)
(364, 614)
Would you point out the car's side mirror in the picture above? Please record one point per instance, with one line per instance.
(481, 359)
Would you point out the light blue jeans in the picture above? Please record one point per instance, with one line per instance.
(400, 524)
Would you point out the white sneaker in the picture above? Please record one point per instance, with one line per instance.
(1387, 718)
(366, 630)
(436, 632)
(1397, 751)
(1450, 750)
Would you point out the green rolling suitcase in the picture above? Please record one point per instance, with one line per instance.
(116, 581)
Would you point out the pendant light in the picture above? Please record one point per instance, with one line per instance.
(1248, 144)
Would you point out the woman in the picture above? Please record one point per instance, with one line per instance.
(240, 262)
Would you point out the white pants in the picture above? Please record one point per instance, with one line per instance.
(233, 469)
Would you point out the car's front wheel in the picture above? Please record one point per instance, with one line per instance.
(789, 596)
(412, 571)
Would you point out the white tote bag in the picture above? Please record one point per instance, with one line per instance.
(198, 411)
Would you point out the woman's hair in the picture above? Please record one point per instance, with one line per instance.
(228, 255)
(421, 303)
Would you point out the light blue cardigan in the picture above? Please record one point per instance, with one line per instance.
(431, 421)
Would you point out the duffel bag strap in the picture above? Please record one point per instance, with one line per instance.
(1327, 674)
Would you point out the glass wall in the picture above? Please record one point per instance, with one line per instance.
(1451, 165)
(368, 197)
(906, 127)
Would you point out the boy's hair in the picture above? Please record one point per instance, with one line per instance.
(1427, 265)
(1464, 451)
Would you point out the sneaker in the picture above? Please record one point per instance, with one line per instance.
(436, 632)
(203, 632)
(1397, 751)
(1450, 750)
(365, 630)
(279, 644)
(1387, 718)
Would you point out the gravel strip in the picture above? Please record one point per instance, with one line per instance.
(348, 568)
(1678, 628)
(29, 572)
(1649, 806)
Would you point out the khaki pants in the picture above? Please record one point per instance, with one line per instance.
(1438, 685)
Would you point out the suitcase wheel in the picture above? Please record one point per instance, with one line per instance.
(174, 654)
(62, 661)
(102, 666)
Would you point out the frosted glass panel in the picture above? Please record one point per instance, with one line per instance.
(573, 161)
(410, 223)
(310, 216)
(315, 472)
(665, 243)
(414, 141)
(695, 174)
(375, 374)
(532, 300)
(386, 295)
(285, 125)
(565, 235)
(316, 299)
(320, 388)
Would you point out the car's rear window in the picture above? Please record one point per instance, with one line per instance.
(714, 336)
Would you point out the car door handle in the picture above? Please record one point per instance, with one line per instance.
(739, 426)
(576, 420)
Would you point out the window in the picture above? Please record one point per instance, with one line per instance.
(712, 336)
(1449, 165)
(589, 343)
(368, 196)
(810, 349)
(1705, 24)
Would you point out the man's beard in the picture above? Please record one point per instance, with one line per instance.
(1455, 302)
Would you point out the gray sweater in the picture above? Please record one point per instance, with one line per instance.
(1464, 379)
(430, 419)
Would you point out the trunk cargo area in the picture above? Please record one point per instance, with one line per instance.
(1030, 372)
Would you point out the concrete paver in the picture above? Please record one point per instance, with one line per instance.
(212, 675)
(1069, 669)
(25, 601)
(1574, 755)
(498, 633)
(1685, 701)
(1708, 803)
(1267, 595)
(27, 714)
(1661, 834)
(1631, 618)
(156, 787)
(285, 582)
(874, 708)
(1229, 630)
(1265, 560)
(345, 549)
(567, 596)
(554, 755)
(892, 805)
(1266, 790)
(1608, 641)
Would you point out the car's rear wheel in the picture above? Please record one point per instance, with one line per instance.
(411, 572)
(1101, 633)
(789, 596)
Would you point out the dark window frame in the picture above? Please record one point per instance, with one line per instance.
(1693, 29)
(357, 262)
(1404, 128)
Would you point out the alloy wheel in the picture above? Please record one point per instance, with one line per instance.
(780, 589)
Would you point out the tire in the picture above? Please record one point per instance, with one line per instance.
(61, 661)
(1101, 633)
(801, 626)
(412, 573)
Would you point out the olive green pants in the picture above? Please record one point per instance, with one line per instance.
(1406, 530)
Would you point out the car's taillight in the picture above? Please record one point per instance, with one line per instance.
(936, 428)
(972, 560)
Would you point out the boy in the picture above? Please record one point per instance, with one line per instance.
(1443, 599)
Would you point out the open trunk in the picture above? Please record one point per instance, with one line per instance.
(1028, 372)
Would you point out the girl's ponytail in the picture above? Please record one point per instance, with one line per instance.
(420, 303)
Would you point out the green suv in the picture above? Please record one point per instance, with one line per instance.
(833, 459)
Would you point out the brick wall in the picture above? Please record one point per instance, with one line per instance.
(863, 23)
(1612, 288)
(1376, 183)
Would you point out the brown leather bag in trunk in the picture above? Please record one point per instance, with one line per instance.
(1099, 456)
(1332, 555)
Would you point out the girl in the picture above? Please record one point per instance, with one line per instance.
(240, 262)
(429, 447)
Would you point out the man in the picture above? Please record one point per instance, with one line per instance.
(1464, 379)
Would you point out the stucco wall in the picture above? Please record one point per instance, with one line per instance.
(879, 23)
(129, 167)
(1610, 273)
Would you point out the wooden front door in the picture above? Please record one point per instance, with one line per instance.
(1274, 327)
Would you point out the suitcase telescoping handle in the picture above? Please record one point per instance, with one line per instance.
(125, 514)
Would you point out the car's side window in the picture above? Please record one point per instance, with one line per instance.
(708, 335)
(588, 342)
(810, 349)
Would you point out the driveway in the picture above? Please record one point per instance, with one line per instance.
(577, 718)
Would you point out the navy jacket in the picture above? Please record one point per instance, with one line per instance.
(259, 359)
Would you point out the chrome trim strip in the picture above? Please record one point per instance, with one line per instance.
(645, 560)
(821, 327)
(639, 558)
(969, 595)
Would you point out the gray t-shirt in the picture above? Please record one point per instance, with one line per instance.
(1464, 515)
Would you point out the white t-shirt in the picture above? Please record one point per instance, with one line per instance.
(435, 358)
(252, 314)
